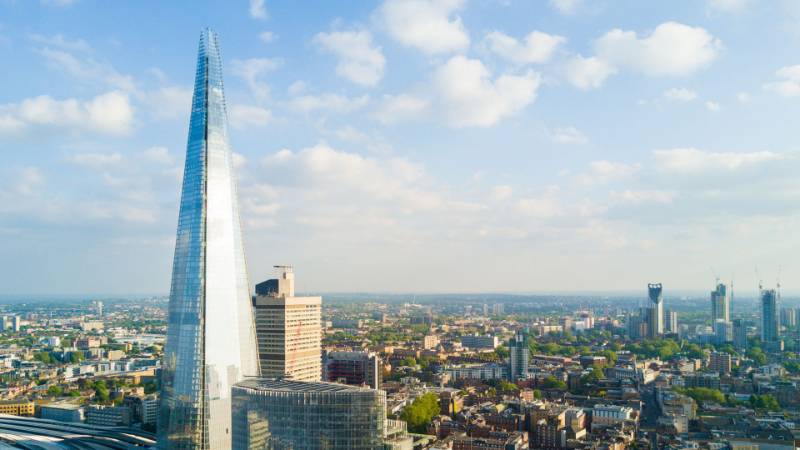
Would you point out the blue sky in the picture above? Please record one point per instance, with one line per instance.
(409, 145)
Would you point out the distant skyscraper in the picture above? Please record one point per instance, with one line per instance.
(210, 335)
(770, 299)
(656, 316)
(789, 317)
(720, 304)
(288, 329)
(739, 334)
(519, 355)
(723, 331)
(671, 321)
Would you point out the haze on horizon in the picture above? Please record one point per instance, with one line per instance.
(410, 146)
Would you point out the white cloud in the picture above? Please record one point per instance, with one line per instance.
(86, 69)
(397, 108)
(252, 71)
(470, 97)
(602, 171)
(502, 192)
(672, 49)
(97, 160)
(644, 196)
(168, 102)
(587, 73)
(712, 106)
(680, 95)
(62, 42)
(788, 84)
(298, 87)
(28, 180)
(743, 97)
(536, 48)
(730, 6)
(330, 102)
(159, 155)
(427, 25)
(109, 113)
(566, 7)
(245, 116)
(258, 10)
(267, 36)
(359, 60)
(688, 160)
(568, 135)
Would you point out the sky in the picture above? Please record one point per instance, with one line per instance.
(410, 145)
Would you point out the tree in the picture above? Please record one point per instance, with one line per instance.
(101, 392)
(507, 386)
(408, 361)
(757, 355)
(44, 357)
(593, 377)
(766, 401)
(701, 395)
(419, 413)
(76, 357)
(54, 391)
(537, 394)
(502, 352)
(553, 383)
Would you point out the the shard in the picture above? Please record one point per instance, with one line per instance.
(210, 336)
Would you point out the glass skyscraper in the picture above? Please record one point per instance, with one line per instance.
(210, 335)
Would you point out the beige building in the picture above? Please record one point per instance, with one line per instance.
(288, 329)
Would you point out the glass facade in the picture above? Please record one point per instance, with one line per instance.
(210, 336)
(281, 414)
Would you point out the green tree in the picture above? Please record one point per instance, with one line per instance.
(502, 352)
(44, 357)
(553, 383)
(408, 361)
(766, 401)
(54, 391)
(419, 413)
(507, 386)
(757, 355)
(537, 394)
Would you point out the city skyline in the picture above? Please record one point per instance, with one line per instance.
(574, 152)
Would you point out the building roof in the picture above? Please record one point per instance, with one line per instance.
(31, 433)
(279, 384)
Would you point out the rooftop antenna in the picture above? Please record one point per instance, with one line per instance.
(778, 281)
(760, 282)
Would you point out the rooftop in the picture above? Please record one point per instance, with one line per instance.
(277, 384)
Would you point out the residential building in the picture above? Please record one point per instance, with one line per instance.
(210, 343)
(480, 342)
(739, 334)
(655, 322)
(17, 407)
(770, 299)
(289, 329)
(671, 322)
(720, 304)
(604, 416)
(519, 355)
(723, 331)
(430, 342)
(720, 362)
(789, 317)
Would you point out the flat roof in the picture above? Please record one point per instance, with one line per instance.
(279, 384)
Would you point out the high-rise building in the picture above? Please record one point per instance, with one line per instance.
(655, 326)
(289, 329)
(770, 299)
(789, 317)
(671, 321)
(739, 334)
(720, 304)
(519, 355)
(298, 415)
(723, 331)
(210, 341)
(355, 368)
(98, 307)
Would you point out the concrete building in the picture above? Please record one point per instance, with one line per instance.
(655, 322)
(604, 416)
(17, 407)
(354, 368)
(720, 362)
(519, 355)
(108, 416)
(62, 412)
(282, 414)
(720, 304)
(144, 409)
(288, 328)
(789, 317)
(430, 342)
(770, 300)
(480, 342)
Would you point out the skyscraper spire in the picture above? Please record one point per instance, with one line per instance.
(210, 335)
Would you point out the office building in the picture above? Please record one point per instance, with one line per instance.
(604, 416)
(62, 412)
(519, 355)
(720, 362)
(299, 415)
(671, 321)
(720, 304)
(354, 368)
(17, 407)
(108, 416)
(739, 334)
(210, 343)
(655, 316)
(98, 307)
(144, 409)
(289, 329)
(770, 299)
(723, 331)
